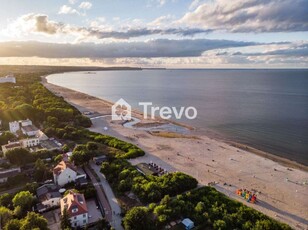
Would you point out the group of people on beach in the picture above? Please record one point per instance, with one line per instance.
(249, 196)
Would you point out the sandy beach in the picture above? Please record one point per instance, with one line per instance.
(281, 184)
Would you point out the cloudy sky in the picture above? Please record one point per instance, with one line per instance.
(156, 33)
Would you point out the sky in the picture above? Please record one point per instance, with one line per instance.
(155, 33)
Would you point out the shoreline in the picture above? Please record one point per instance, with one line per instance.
(208, 159)
(281, 160)
(211, 134)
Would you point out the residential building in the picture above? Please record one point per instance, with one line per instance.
(76, 207)
(11, 146)
(14, 126)
(64, 173)
(30, 130)
(7, 173)
(49, 197)
(24, 123)
(8, 79)
(30, 142)
(26, 126)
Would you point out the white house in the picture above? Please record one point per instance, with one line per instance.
(24, 143)
(26, 126)
(8, 79)
(76, 207)
(64, 173)
(49, 197)
(30, 142)
(14, 126)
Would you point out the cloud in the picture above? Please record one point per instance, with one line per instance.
(292, 50)
(40, 23)
(67, 10)
(138, 32)
(162, 20)
(195, 3)
(148, 49)
(159, 53)
(158, 3)
(34, 23)
(72, 2)
(85, 5)
(250, 16)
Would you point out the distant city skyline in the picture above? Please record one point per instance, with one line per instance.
(156, 33)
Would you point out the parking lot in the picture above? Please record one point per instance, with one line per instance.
(94, 212)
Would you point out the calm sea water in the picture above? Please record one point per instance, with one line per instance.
(266, 109)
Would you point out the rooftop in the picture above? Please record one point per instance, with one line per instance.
(49, 144)
(29, 128)
(74, 203)
(48, 191)
(12, 145)
(62, 166)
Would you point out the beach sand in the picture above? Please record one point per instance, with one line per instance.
(282, 193)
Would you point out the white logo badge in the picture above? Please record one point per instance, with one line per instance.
(121, 110)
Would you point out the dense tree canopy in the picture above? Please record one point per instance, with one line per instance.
(24, 200)
(19, 156)
(6, 200)
(137, 219)
(6, 137)
(124, 177)
(5, 215)
(209, 209)
(13, 224)
(34, 221)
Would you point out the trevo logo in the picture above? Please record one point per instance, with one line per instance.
(121, 110)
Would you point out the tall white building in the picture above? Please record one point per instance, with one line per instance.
(14, 126)
(26, 126)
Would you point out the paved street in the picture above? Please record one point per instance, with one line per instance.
(115, 207)
(12, 191)
(106, 197)
(100, 195)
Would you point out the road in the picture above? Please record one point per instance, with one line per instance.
(106, 196)
(13, 190)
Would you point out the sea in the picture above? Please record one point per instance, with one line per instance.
(266, 109)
